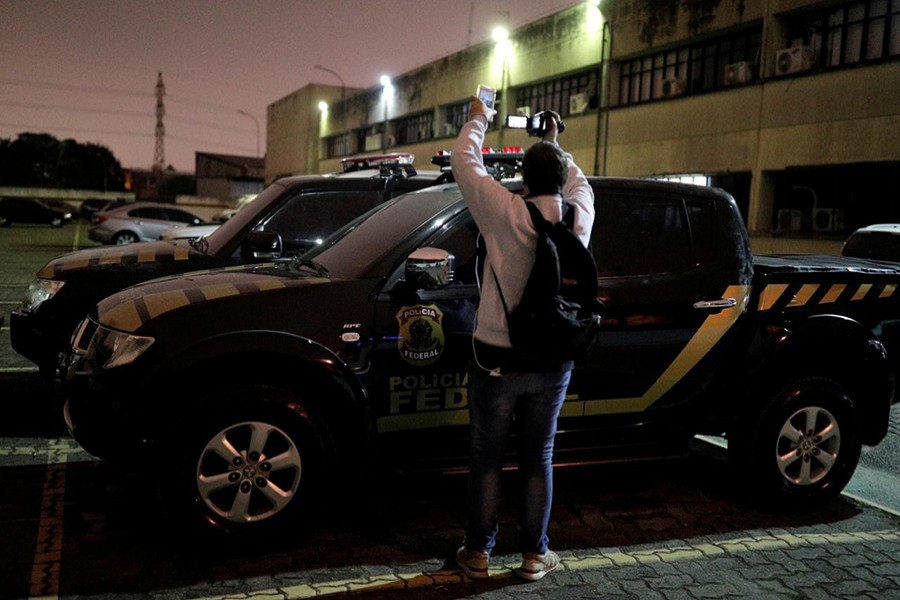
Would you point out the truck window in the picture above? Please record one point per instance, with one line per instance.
(636, 236)
(305, 220)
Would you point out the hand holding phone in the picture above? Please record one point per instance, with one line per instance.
(487, 95)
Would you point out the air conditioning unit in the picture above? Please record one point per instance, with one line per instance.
(673, 86)
(793, 60)
(524, 111)
(577, 104)
(737, 73)
(827, 219)
(790, 220)
(448, 129)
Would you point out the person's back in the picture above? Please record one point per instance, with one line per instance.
(505, 389)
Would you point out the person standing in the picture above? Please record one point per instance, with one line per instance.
(505, 392)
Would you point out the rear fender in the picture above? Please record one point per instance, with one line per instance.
(841, 349)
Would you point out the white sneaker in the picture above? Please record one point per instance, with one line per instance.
(473, 563)
(535, 566)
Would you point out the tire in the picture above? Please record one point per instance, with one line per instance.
(124, 238)
(249, 465)
(804, 447)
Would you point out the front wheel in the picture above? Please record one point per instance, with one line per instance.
(805, 445)
(249, 470)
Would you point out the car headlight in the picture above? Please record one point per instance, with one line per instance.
(111, 348)
(40, 291)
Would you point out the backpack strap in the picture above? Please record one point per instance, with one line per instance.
(542, 224)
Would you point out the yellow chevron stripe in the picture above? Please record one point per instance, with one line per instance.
(770, 295)
(888, 291)
(163, 302)
(111, 258)
(833, 293)
(146, 256)
(710, 332)
(862, 291)
(123, 316)
(803, 296)
(221, 290)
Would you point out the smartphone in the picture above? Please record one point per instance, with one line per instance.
(487, 95)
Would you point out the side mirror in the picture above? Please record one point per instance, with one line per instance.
(261, 246)
(428, 268)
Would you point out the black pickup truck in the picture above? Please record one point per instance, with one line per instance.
(290, 216)
(255, 383)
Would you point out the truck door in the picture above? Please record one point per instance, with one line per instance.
(668, 304)
(423, 346)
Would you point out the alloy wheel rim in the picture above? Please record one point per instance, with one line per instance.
(808, 445)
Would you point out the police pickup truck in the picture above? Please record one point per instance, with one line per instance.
(356, 353)
(288, 217)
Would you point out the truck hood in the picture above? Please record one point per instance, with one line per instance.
(113, 257)
(129, 309)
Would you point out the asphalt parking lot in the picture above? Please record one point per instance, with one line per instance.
(75, 527)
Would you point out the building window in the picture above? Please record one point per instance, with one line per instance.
(862, 31)
(694, 68)
(455, 116)
(337, 146)
(567, 95)
(848, 34)
(415, 128)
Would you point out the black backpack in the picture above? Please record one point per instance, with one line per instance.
(558, 317)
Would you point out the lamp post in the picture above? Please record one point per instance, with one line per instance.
(500, 36)
(343, 96)
(385, 95)
(255, 122)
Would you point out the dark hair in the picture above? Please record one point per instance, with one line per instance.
(544, 169)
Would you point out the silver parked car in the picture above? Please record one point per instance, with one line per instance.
(139, 222)
(188, 232)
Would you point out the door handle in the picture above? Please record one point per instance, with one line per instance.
(715, 304)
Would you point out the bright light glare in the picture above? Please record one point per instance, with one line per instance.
(500, 34)
(323, 106)
(385, 81)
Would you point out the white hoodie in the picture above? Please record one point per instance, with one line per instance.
(506, 227)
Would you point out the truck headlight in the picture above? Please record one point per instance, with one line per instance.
(113, 348)
(40, 291)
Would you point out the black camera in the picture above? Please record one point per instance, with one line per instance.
(535, 125)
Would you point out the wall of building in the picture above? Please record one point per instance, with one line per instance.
(764, 132)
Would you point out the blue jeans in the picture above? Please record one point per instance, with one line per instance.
(529, 405)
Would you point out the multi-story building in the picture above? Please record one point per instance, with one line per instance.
(793, 106)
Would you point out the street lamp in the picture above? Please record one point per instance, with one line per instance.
(500, 36)
(343, 95)
(255, 122)
(386, 92)
(341, 79)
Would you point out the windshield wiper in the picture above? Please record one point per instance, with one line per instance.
(309, 263)
(200, 244)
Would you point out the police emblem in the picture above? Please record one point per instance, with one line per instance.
(421, 335)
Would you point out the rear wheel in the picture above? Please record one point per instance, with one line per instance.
(805, 445)
(124, 237)
(249, 468)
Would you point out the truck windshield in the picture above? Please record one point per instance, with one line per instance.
(365, 247)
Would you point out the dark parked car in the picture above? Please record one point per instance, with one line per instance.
(878, 242)
(289, 217)
(34, 210)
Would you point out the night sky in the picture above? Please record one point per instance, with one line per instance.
(87, 69)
